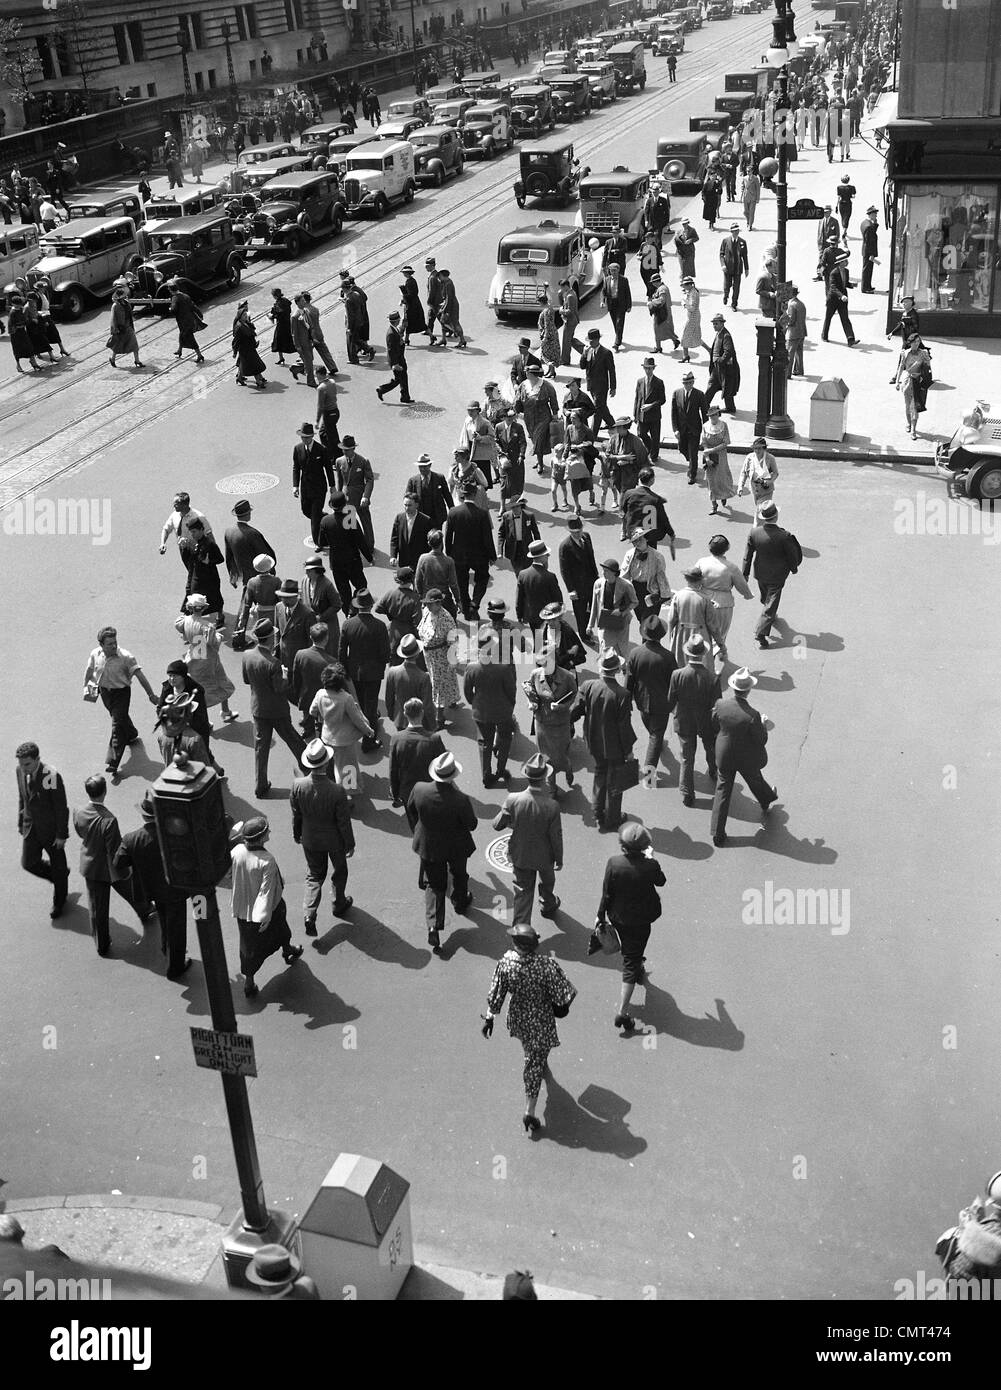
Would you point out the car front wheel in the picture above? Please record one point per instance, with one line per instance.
(293, 244)
(984, 481)
(233, 272)
(381, 206)
(73, 303)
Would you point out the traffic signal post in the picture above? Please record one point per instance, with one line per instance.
(194, 847)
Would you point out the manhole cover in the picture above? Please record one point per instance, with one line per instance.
(497, 854)
(239, 484)
(423, 408)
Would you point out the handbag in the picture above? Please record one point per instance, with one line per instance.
(623, 776)
(604, 938)
(90, 692)
(562, 1008)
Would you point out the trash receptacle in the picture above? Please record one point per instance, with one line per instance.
(829, 410)
(355, 1237)
(236, 181)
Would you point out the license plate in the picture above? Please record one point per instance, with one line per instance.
(527, 270)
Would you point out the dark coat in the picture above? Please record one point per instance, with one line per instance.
(346, 545)
(312, 471)
(629, 890)
(641, 506)
(396, 352)
(491, 689)
(649, 669)
(321, 816)
(199, 721)
(608, 726)
(774, 552)
(408, 552)
(598, 366)
(413, 309)
(733, 255)
(570, 651)
(408, 681)
(262, 671)
(139, 855)
(648, 393)
(364, 650)
(537, 587)
(41, 805)
(434, 497)
(692, 694)
(243, 543)
(293, 622)
(688, 418)
(740, 735)
(723, 364)
(511, 547)
(445, 822)
(469, 537)
(411, 753)
(578, 567)
(305, 680)
(98, 829)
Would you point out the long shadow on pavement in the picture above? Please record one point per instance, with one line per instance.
(595, 1121)
(296, 990)
(661, 1014)
(374, 939)
(774, 836)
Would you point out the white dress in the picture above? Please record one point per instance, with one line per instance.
(202, 655)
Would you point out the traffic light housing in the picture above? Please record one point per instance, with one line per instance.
(191, 825)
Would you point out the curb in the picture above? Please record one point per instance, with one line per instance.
(202, 1211)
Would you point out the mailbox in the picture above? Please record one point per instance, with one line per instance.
(355, 1237)
(829, 410)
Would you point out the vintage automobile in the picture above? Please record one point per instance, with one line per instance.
(377, 176)
(629, 62)
(83, 258)
(971, 460)
(339, 149)
(409, 106)
(720, 9)
(556, 57)
(571, 96)
(449, 91)
(488, 130)
(180, 202)
(600, 75)
(437, 154)
(495, 91)
(748, 6)
(395, 131)
(264, 154)
(587, 51)
(530, 258)
(318, 137)
(670, 38)
(20, 250)
(202, 252)
(714, 127)
(549, 171)
(474, 81)
(294, 210)
(545, 72)
(734, 104)
(681, 157)
(532, 111)
(611, 202)
(110, 202)
(453, 113)
(256, 175)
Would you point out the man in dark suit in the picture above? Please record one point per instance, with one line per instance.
(869, 228)
(733, 259)
(724, 369)
(321, 823)
(312, 477)
(306, 676)
(443, 838)
(740, 748)
(693, 691)
(139, 855)
(469, 540)
(408, 539)
(396, 354)
(412, 750)
(689, 413)
(648, 404)
(243, 544)
(649, 669)
(537, 586)
(489, 686)
(578, 570)
(269, 707)
(775, 554)
(516, 530)
(342, 535)
(828, 226)
(98, 829)
(409, 681)
(42, 822)
(535, 848)
(364, 653)
(434, 496)
(598, 366)
(608, 732)
(646, 509)
(293, 619)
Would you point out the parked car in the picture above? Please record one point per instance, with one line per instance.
(690, 16)
(613, 202)
(714, 127)
(448, 91)
(453, 113)
(437, 154)
(409, 106)
(571, 96)
(748, 6)
(602, 81)
(294, 211)
(111, 202)
(339, 149)
(629, 62)
(202, 252)
(474, 81)
(488, 130)
(318, 137)
(395, 131)
(529, 258)
(720, 9)
(532, 111)
(971, 460)
(256, 175)
(549, 170)
(734, 104)
(83, 258)
(377, 176)
(20, 250)
(680, 158)
(264, 154)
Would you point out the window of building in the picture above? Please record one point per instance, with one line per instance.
(46, 58)
(150, 89)
(212, 78)
(192, 26)
(130, 43)
(253, 67)
(246, 21)
(199, 82)
(298, 56)
(293, 14)
(947, 253)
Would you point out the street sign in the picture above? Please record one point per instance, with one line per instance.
(229, 1052)
(804, 210)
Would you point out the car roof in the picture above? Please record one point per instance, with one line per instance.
(384, 147)
(490, 106)
(556, 144)
(323, 126)
(627, 46)
(181, 195)
(192, 224)
(564, 77)
(534, 89)
(299, 178)
(105, 195)
(434, 130)
(81, 226)
(482, 75)
(546, 233)
(617, 176)
(280, 163)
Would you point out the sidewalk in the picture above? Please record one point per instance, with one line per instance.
(179, 1240)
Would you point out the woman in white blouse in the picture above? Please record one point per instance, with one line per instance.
(720, 577)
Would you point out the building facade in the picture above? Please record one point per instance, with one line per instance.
(945, 167)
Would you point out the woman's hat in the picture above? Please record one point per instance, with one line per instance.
(404, 575)
(497, 607)
(551, 612)
(521, 931)
(313, 563)
(177, 668)
(445, 768)
(634, 838)
(316, 754)
(538, 550)
(197, 601)
(742, 680)
(714, 409)
(693, 572)
(263, 564)
(253, 830)
(273, 1266)
(610, 564)
(610, 663)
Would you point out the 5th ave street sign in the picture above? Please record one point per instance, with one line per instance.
(804, 210)
(229, 1052)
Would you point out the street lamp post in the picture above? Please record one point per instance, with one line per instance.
(784, 46)
(184, 44)
(226, 33)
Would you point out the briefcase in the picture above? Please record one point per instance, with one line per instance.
(623, 776)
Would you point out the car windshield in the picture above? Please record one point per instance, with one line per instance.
(524, 255)
(277, 190)
(85, 210)
(544, 160)
(370, 163)
(158, 209)
(420, 138)
(599, 192)
(479, 118)
(171, 242)
(401, 108)
(69, 247)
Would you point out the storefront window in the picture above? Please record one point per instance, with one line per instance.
(946, 254)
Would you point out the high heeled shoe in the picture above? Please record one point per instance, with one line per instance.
(531, 1123)
(626, 1022)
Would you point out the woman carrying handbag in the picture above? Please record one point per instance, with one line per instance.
(630, 903)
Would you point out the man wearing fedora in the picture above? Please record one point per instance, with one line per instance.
(435, 297)
(302, 337)
(292, 623)
(312, 477)
(277, 1273)
(312, 316)
(516, 531)
(356, 479)
(408, 540)
(775, 553)
(740, 748)
(321, 823)
(724, 369)
(693, 691)
(409, 681)
(258, 901)
(98, 830)
(537, 586)
(837, 299)
(269, 707)
(42, 822)
(521, 361)
(598, 366)
(434, 496)
(869, 228)
(612, 602)
(649, 669)
(684, 244)
(364, 653)
(535, 848)
(469, 540)
(342, 536)
(490, 688)
(306, 675)
(396, 352)
(444, 821)
(243, 543)
(412, 749)
(648, 403)
(578, 570)
(608, 732)
(139, 855)
(689, 412)
(733, 259)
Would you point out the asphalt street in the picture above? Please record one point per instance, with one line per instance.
(806, 1105)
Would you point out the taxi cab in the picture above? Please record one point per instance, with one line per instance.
(259, 173)
(613, 202)
(83, 258)
(180, 202)
(487, 130)
(453, 113)
(408, 106)
(449, 91)
(110, 202)
(263, 154)
(318, 137)
(530, 258)
(20, 249)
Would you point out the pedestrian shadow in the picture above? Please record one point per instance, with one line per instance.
(775, 685)
(661, 1014)
(736, 515)
(596, 1121)
(75, 915)
(387, 819)
(774, 836)
(236, 806)
(676, 843)
(809, 554)
(814, 641)
(140, 764)
(239, 734)
(484, 934)
(372, 938)
(296, 990)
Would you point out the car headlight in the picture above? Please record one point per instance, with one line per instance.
(271, 222)
(157, 276)
(366, 190)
